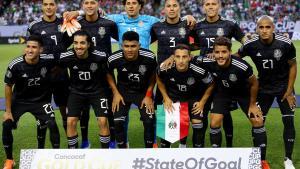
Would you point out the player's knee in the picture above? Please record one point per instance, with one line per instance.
(103, 123)
(119, 123)
(288, 122)
(51, 123)
(215, 123)
(149, 125)
(257, 122)
(196, 121)
(72, 121)
(8, 125)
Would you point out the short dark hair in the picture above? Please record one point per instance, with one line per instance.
(83, 33)
(55, 1)
(141, 2)
(223, 41)
(130, 36)
(35, 38)
(182, 47)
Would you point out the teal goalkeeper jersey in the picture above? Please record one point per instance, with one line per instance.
(142, 25)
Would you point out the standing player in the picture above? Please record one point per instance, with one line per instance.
(205, 33)
(133, 21)
(169, 32)
(275, 58)
(101, 31)
(88, 71)
(135, 82)
(234, 81)
(186, 82)
(55, 42)
(27, 89)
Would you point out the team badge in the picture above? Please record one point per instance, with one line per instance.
(93, 67)
(141, 23)
(8, 74)
(190, 81)
(277, 54)
(232, 77)
(43, 72)
(101, 32)
(142, 69)
(182, 32)
(220, 32)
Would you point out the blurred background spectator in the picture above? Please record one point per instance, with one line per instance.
(19, 12)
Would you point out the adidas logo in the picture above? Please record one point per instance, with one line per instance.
(75, 67)
(172, 79)
(202, 33)
(258, 54)
(52, 115)
(25, 75)
(163, 32)
(124, 70)
(43, 32)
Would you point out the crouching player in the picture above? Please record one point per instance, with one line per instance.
(135, 81)
(28, 89)
(186, 82)
(88, 71)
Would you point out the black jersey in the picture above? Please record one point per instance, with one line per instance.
(183, 86)
(54, 40)
(133, 76)
(205, 33)
(87, 76)
(231, 80)
(271, 62)
(31, 82)
(168, 36)
(101, 32)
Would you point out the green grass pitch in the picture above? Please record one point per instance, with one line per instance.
(25, 135)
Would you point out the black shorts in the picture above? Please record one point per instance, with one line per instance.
(222, 102)
(41, 111)
(77, 102)
(265, 101)
(61, 88)
(137, 100)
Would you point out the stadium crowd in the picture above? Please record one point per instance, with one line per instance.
(25, 11)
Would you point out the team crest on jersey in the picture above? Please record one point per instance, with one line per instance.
(8, 74)
(277, 54)
(93, 67)
(43, 72)
(101, 32)
(142, 69)
(182, 32)
(141, 23)
(220, 32)
(190, 81)
(232, 77)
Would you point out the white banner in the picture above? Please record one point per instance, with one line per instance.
(187, 158)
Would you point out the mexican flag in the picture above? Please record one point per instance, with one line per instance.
(172, 126)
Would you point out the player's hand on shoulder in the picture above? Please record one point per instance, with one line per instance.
(210, 56)
(116, 102)
(191, 21)
(7, 116)
(167, 64)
